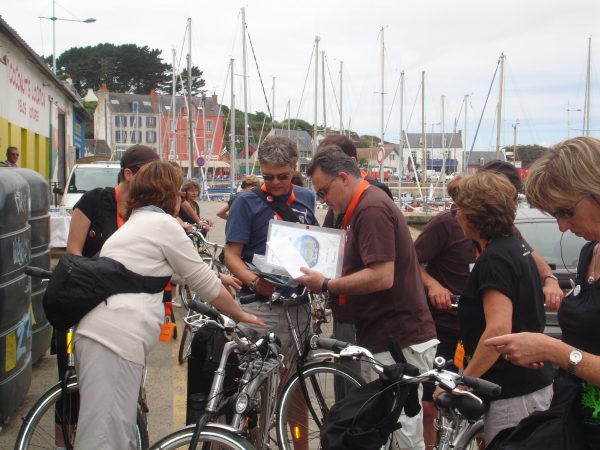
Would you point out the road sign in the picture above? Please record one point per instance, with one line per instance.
(380, 155)
(200, 161)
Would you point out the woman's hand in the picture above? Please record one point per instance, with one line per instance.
(230, 282)
(249, 318)
(524, 349)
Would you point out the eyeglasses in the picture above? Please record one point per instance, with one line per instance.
(279, 176)
(454, 209)
(566, 213)
(322, 193)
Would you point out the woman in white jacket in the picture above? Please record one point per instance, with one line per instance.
(113, 340)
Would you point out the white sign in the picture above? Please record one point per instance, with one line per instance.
(380, 155)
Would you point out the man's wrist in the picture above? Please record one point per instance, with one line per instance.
(253, 283)
(325, 285)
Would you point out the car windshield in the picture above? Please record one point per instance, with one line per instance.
(84, 180)
(545, 239)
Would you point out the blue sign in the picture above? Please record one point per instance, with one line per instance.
(200, 161)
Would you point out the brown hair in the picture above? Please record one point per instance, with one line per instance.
(343, 142)
(250, 181)
(488, 200)
(156, 183)
(190, 184)
(569, 170)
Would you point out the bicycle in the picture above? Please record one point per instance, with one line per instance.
(247, 407)
(210, 252)
(42, 427)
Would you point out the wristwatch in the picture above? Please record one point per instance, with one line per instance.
(252, 285)
(325, 285)
(575, 358)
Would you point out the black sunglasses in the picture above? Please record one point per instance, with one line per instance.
(565, 213)
(321, 193)
(279, 176)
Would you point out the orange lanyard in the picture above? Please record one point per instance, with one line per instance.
(120, 220)
(347, 215)
(270, 197)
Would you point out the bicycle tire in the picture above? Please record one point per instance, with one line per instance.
(211, 436)
(472, 438)
(320, 379)
(258, 435)
(38, 429)
(185, 345)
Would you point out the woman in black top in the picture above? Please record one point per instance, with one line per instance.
(503, 294)
(565, 183)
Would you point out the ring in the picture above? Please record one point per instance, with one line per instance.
(505, 356)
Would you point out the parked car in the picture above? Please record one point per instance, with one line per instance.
(559, 250)
(85, 177)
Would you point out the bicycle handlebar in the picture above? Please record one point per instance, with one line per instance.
(37, 272)
(204, 309)
(327, 343)
(483, 386)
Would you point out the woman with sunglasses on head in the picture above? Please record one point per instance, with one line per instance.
(565, 183)
(502, 294)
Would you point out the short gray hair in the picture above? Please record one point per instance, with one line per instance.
(332, 160)
(278, 151)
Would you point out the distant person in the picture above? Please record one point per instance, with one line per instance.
(12, 156)
(247, 183)
(297, 179)
(189, 211)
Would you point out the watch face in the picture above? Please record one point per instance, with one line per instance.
(575, 357)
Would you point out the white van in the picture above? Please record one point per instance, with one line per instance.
(85, 177)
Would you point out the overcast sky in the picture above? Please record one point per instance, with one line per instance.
(456, 42)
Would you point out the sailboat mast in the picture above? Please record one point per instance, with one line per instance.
(586, 105)
(232, 149)
(190, 104)
(464, 153)
(401, 143)
(341, 97)
(423, 138)
(245, 76)
(382, 101)
(171, 129)
(273, 102)
(289, 121)
(443, 145)
(324, 94)
(316, 92)
(500, 92)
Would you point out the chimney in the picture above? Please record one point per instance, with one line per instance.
(214, 99)
(153, 96)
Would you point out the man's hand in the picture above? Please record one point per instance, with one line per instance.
(439, 297)
(264, 288)
(312, 279)
(230, 282)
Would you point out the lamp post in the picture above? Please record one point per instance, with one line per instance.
(54, 19)
(515, 125)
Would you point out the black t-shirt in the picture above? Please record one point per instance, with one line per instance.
(185, 217)
(507, 266)
(578, 318)
(100, 207)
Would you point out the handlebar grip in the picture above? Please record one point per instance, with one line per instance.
(331, 344)
(395, 350)
(483, 386)
(250, 298)
(37, 272)
(204, 309)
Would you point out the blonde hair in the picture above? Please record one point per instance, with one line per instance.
(567, 171)
(489, 200)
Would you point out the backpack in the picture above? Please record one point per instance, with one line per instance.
(78, 284)
(368, 415)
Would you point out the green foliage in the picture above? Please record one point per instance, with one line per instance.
(590, 397)
(181, 89)
(90, 107)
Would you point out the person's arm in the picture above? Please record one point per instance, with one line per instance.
(186, 226)
(185, 205)
(497, 309)
(78, 230)
(234, 262)
(222, 213)
(530, 349)
(439, 297)
(374, 278)
(227, 305)
(553, 294)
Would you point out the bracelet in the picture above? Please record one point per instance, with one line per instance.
(325, 285)
(252, 285)
(550, 276)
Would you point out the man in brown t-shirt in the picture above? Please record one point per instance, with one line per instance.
(380, 280)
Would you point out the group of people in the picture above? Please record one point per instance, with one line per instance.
(389, 287)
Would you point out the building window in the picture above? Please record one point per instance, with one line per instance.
(132, 135)
(150, 122)
(150, 137)
(171, 126)
(117, 121)
(123, 121)
(414, 155)
(208, 145)
(117, 136)
(208, 126)
(428, 154)
(139, 136)
(135, 107)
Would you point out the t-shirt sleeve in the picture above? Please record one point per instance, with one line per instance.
(375, 228)
(88, 203)
(431, 241)
(239, 221)
(497, 273)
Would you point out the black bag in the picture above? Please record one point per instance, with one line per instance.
(78, 284)
(282, 208)
(557, 428)
(366, 417)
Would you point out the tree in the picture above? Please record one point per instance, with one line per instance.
(124, 68)
(590, 397)
(197, 82)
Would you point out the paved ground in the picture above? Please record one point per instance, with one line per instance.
(166, 379)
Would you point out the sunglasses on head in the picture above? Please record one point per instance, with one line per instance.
(279, 176)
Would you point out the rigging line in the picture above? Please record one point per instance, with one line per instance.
(261, 80)
(219, 114)
(304, 87)
(392, 105)
(414, 106)
(181, 51)
(482, 112)
(529, 124)
(337, 104)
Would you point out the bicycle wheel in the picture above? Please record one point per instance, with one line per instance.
(260, 420)
(41, 427)
(185, 345)
(212, 437)
(185, 294)
(472, 438)
(292, 424)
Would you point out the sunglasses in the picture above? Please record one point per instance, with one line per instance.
(322, 193)
(279, 176)
(565, 213)
(454, 209)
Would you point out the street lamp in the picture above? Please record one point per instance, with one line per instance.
(54, 19)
